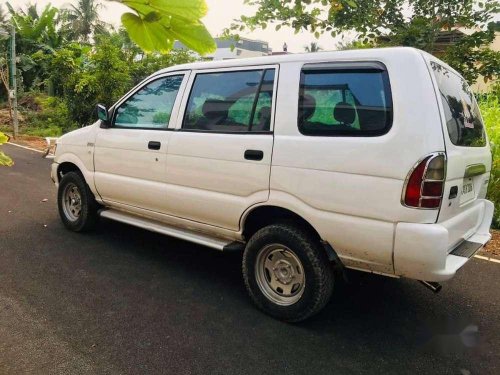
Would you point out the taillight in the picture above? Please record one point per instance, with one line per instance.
(425, 182)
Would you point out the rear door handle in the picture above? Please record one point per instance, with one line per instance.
(254, 155)
(154, 145)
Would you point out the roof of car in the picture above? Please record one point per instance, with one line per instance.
(362, 54)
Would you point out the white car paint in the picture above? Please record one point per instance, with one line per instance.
(348, 188)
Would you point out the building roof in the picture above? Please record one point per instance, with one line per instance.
(242, 43)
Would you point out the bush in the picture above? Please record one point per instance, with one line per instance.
(149, 64)
(103, 79)
(52, 119)
(490, 110)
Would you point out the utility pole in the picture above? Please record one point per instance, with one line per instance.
(13, 75)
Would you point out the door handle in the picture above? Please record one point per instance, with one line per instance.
(254, 155)
(154, 145)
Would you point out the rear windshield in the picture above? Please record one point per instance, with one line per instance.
(460, 108)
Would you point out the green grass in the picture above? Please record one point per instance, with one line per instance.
(51, 119)
(49, 131)
(490, 110)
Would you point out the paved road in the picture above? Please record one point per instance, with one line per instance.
(123, 300)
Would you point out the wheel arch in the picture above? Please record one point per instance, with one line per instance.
(66, 167)
(263, 215)
(69, 162)
(260, 216)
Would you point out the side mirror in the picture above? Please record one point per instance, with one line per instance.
(102, 114)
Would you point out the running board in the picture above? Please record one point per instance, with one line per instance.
(183, 234)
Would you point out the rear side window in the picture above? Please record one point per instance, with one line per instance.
(345, 101)
(230, 102)
(460, 108)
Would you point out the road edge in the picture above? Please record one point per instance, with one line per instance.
(25, 147)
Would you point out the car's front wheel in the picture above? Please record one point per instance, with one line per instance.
(76, 203)
(287, 272)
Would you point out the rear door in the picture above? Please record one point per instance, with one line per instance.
(467, 148)
(219, 157)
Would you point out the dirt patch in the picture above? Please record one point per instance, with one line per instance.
(493, 247)
(5, 118)
(29, 102)
(37, 143)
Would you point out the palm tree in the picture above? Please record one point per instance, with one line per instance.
(313, 47)
(84, 19)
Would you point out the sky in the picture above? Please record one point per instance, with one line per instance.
(220, 15)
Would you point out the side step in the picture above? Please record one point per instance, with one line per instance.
(466, 249)
(183, 234)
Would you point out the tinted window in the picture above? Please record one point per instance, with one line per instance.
(347, 102)
(262, 113)
(151, 106)
(460, 108)
(230, 101)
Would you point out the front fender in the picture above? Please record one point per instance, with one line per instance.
(85, 166)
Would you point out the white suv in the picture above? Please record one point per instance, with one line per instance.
(374, 159)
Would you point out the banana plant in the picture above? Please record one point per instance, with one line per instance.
(155, 25)
(4, 159)
(40, 29)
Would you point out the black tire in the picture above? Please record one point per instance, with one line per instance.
(87, 218)
(318, 271)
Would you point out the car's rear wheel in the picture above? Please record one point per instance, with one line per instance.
(287, 272)
(76, 203)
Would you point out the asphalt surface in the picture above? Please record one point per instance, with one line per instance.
(122, 300)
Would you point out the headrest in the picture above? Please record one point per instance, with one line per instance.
(215, 108)
(264, 113)
(344, 113)
(307, 107)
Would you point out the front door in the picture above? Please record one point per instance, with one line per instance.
(219, 157)
(130, 155)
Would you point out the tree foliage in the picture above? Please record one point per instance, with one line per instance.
(156, 24)
(5, 160)
(101, 76)
(83, 20)
(416, 23)
(313, 47)
(65, 67)
(151, 63)
(490, 111)
(472, 57)
(37, 29)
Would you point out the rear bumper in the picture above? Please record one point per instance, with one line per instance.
(430, 252)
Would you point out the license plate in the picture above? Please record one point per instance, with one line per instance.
(467, 191)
